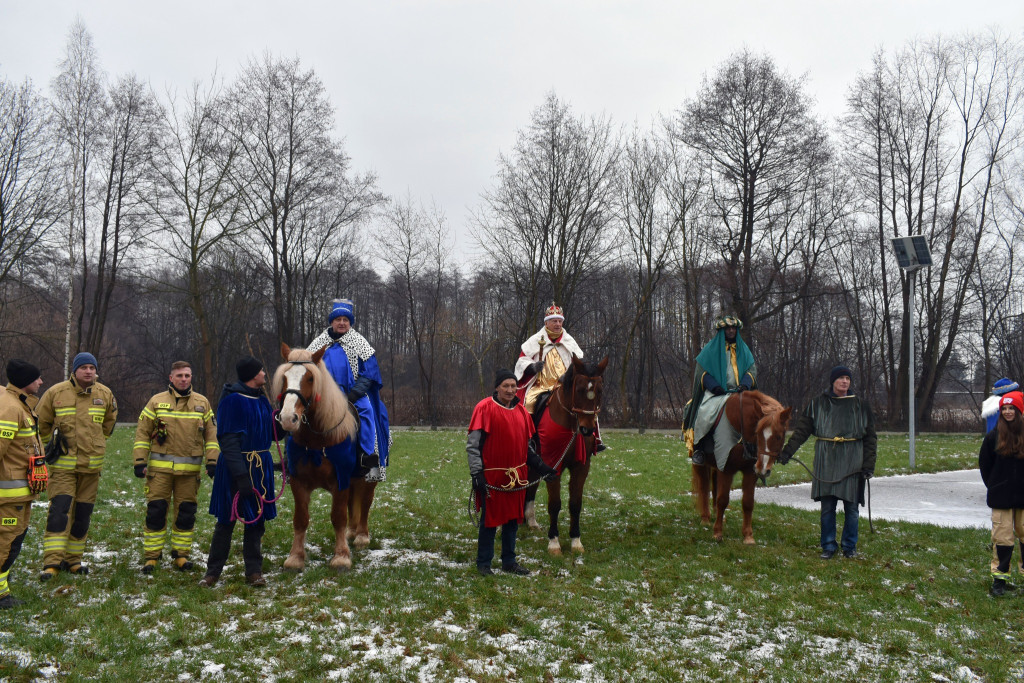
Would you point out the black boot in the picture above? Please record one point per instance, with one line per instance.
(998, 588)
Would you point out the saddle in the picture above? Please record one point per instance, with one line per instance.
(539, 406)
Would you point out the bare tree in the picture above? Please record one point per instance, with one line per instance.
(415, 243)
(128, 133)
(768, 164)
(294, 177)
(195, 202)
(78, 104)
(546, 221)
(30, 201)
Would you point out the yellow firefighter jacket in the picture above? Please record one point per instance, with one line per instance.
(19, 440)
(85, 416)
(191, 431)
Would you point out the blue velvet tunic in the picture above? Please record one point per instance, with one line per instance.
(246, 411)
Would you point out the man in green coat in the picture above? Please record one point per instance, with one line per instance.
(844, 456)
(725, 365)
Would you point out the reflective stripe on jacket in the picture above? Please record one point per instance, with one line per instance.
(19, 441)
(191, 432)
(85, 416)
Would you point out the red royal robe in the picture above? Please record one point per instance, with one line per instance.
(504, 455)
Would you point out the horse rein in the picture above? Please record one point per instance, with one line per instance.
(306, 403)
(259, 496)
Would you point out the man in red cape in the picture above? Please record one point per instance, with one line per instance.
(498, 448)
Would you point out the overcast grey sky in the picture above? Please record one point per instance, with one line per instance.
(428, 92)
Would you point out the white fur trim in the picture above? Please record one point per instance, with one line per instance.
(990, 406)
(531, 348)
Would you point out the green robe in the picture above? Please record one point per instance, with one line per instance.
(828, 417)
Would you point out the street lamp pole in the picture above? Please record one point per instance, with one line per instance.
(913, 254)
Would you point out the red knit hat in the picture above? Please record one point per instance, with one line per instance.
(1015, 399)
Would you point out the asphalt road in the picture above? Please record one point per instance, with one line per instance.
(951, 499)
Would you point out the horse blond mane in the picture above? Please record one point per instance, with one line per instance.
(771, 410)
(333, 407)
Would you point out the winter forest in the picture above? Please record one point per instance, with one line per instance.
(220, 218)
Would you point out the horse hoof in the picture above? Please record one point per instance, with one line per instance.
(717, 538)
(350, 535)
(294, 565)
(554, 547)
(749, 541)
(360, 541)
(576, 546)
(533, 524)
(340, 564)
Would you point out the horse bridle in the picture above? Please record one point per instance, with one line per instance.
(576, 412)
(306, 402)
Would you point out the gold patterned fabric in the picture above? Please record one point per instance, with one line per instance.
(547, 378)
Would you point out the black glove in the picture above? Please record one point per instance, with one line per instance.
(867, 474)
(740, 389)
(245, 489)
(211, 469)
(534, 368)
(548, 473)
(784, 457)
(717, 391)
(359, 388)
(480, 483)
(140, 471)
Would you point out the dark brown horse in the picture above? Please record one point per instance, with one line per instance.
(573, 407)
(762, 421)
(318, 416)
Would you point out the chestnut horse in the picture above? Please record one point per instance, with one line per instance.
(573, 408)
(762, 422)
(324, 427)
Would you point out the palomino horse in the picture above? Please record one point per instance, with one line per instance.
(321, 454)
(567, 442)
(762, 422)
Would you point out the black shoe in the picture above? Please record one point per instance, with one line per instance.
(517, 569)
(827, 554)
(208, 581)
(998, 588)
(78, 569)
(483, 570)
(256, 580)
(183, 564)
(698, 458)
(48, 573)
(851, 554)
(9, 601)
(149, 567)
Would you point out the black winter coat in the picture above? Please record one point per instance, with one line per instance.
(1003, 475)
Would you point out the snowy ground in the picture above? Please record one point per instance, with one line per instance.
(950, 499)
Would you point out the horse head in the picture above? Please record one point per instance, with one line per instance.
(298, 385)
(583, 385)
(770, 434)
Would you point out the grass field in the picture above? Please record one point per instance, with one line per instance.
(652, 598)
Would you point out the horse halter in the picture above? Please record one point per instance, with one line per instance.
(306, 402)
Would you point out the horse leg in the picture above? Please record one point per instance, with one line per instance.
(300, 522)
(701, 480)
(723, 485)
(342, 558)
(530, 508)
(554, 507)
(749, 483)
(360, 498)
(579, 478)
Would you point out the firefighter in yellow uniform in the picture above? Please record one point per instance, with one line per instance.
(22, 470)
(83, 413)
(176, 429)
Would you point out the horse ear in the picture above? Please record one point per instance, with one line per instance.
(603, 364)
(785, 415)
(319, 354)
(285, 351)
(577, 363)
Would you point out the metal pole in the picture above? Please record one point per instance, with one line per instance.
(912, 275)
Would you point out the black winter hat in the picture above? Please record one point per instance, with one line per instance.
(21, 373)
(247, 367)
(503, 374)
(837, 372)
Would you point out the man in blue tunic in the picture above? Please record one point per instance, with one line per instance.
(725, 365)
(353, 364)
(245, 429)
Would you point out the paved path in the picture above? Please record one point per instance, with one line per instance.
(952, 499)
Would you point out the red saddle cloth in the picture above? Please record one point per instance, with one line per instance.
(554, 440)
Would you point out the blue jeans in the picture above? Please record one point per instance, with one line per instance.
(828, 524)
(485, 544)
